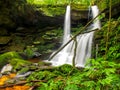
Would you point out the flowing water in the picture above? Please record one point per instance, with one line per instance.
(84, 43)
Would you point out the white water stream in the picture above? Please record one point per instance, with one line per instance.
(84, 43)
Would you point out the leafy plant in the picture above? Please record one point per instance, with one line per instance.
(101, 74)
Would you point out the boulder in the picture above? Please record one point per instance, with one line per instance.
(6, 57)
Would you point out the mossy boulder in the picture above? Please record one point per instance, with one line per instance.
(16, 47)
(20, 64)
(6, 57)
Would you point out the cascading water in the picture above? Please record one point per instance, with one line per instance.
(63, 55)
(84, 43)
(95, 12)
(85, 40)
(67, 26)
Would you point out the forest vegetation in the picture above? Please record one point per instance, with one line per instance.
(28, 29)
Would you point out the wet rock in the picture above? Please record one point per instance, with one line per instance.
(4, 40)
(79, 14)
(15, 47)
(6, 68)
(23, 30)
(36, 54)
(23, 75)
(20, 28)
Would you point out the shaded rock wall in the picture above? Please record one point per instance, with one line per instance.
(21, 24)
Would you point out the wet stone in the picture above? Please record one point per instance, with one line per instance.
(4, 40)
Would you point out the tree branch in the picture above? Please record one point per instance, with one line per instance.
(75, 49)
(20, 83)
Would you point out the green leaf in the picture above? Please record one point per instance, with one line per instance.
(71, 87)
(109, 71)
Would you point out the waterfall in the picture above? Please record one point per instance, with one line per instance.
(85, 40)
(67, 25)
(95, 12)
(84, 43)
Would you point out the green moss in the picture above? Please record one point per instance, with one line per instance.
(23, 70)
(53, 11)
(44, 63)
(79, 7)
(6, 57)
(15, 60)
(19, 63)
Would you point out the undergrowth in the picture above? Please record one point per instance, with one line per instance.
(101, 75)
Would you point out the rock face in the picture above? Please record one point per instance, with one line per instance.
(22, 26)
(115, 11)
(79, 17)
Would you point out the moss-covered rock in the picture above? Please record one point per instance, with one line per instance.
(6, 57)
(4, 39)
(16, 47)
(18, 63)
(14, 59)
